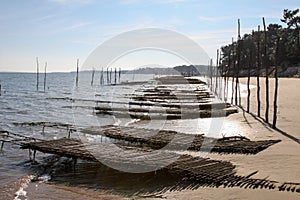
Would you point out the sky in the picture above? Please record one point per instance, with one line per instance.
(61, 31)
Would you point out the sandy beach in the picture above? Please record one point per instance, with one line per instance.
(279, 162)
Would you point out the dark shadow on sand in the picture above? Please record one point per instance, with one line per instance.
(269, 126)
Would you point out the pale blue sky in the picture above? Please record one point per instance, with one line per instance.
(60, 31)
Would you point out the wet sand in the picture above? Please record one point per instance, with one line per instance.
(279, 162)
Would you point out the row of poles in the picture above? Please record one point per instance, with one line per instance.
(109, 75)
(219, 77)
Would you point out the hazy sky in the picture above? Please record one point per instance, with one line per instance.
(60, 31)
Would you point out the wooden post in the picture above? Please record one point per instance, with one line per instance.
(233, 71)
(120, 75)
(37, 73)
(107, 77)
(0, 87)
(217, 66)
(276, 83)
(221, 77)
(115, 75)
(208, 82)
(93, 74)
(45, 76)
(238, 102)
(208, 72)
(266, 63)
(257, 72)
(226, 77)
(248, 81)
(100, 81)
(101, 77)
(77, 72)
(211, 75)
(110, 75)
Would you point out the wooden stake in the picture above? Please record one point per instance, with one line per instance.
(45, 76)
(77, 73)
(107, 77)
(101, 77)
(238, 102)
(220, 76)
(222, 80)
(217, 66)
(115, 75)
(257, 72)
(211, 75)
(110, 75)
(227, 76)
(266, 63)
(249, 75)
(276, 83)
(37, 73)
(234, 71)
(93, 74)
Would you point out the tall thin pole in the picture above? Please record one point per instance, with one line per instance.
(77, 72)
(257, 72)
(37, 73)
(276, 83)
(115, 75)
(248, 81)
(221, 70)
(226, 77)
(120, 75)
(266, 63)
(233, 71)
(221, 76)
(208, 72)
(211, 75)
(217, 66)
(238, 65)
(45, 76)
(93, 74)
(101, 77)
(107, 77)
(110, 75)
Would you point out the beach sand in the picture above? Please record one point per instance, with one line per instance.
(279, 162)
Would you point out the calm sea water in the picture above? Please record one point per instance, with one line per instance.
(21, 102)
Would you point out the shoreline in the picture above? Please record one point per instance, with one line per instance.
(278, 162)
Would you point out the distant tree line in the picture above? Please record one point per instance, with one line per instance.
(251, 52)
